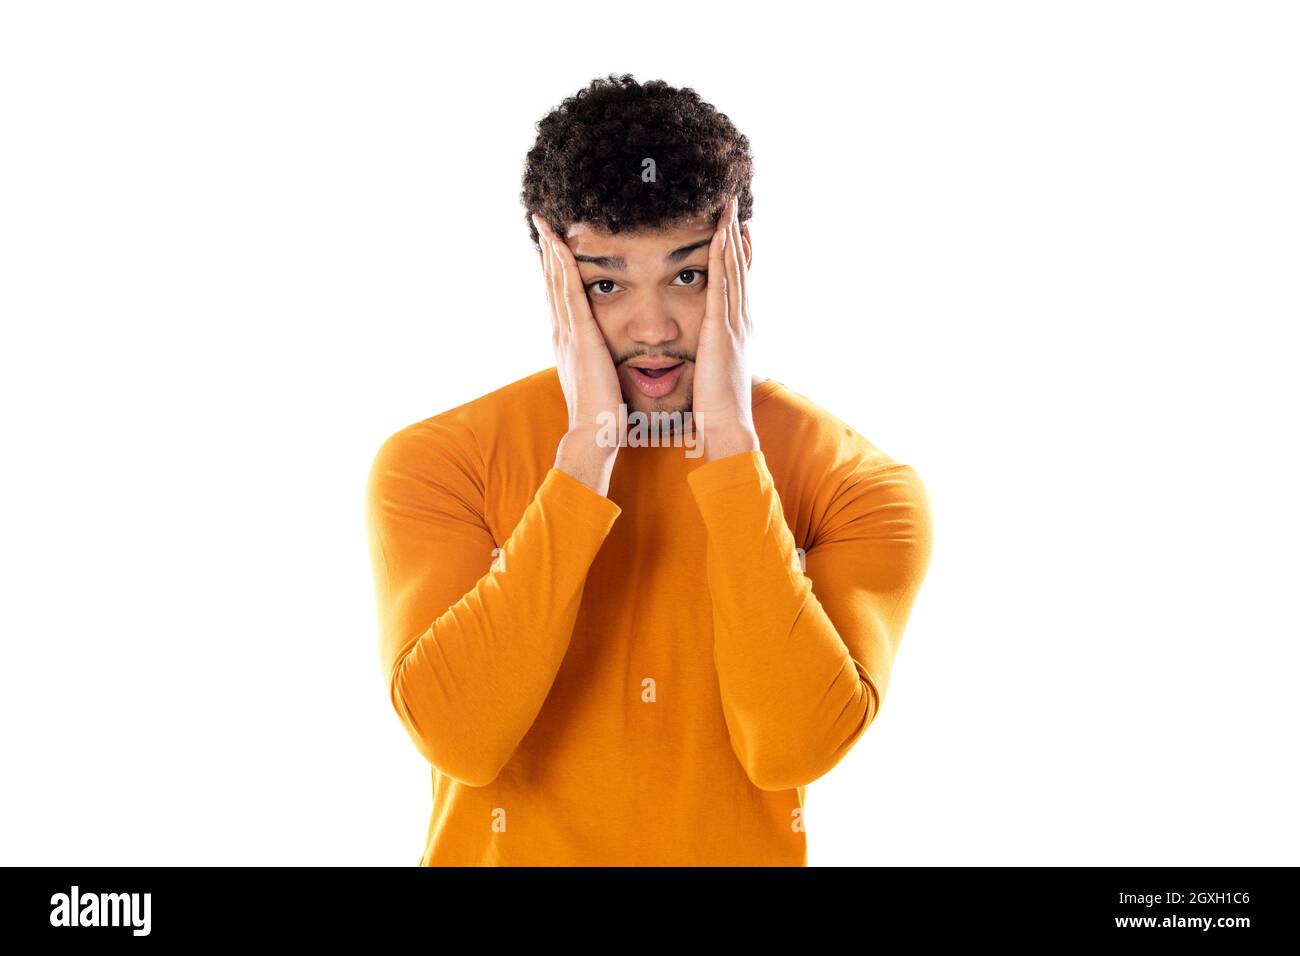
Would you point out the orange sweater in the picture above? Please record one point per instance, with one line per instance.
(647, 678)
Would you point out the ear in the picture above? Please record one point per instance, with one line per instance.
(747, 244)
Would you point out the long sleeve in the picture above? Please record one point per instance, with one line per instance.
(470, 643)
(804, 658)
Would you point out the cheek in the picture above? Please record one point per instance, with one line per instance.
(690, 322)
(606, 320)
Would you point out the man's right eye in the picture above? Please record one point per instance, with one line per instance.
(602, 283)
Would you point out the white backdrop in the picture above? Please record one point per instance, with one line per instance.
(242, 243)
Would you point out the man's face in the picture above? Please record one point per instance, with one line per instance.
(647, 293)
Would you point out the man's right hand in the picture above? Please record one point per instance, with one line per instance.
(586, 370)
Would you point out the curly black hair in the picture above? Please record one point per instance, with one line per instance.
(587, 163)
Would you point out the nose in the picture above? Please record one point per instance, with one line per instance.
(653, 328)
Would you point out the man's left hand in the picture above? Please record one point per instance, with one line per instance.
(722, 399)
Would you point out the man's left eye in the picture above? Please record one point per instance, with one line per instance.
(697, 272)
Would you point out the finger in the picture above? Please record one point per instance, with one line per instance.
(743, 270)
(547, 275)
(555, 278)
(548, 265)
(732, 257)
(716, 302)
(571, 290)
(541, 259)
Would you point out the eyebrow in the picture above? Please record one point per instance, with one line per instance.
(619, 264)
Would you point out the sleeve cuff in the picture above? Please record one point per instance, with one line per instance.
(725, 474)
(575, 501)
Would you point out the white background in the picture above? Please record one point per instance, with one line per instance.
(1044, 252)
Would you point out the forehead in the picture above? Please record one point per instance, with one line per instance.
(594, 240)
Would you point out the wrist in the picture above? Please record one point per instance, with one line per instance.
(727, 440)
(582, 456)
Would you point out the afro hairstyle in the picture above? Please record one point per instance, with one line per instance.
(587, 162)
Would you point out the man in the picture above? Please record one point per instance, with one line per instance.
(620, 652)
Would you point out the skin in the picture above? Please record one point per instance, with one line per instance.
(606, 313)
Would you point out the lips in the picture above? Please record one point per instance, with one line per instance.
(655, 371)
(656, 379)
(656, 363)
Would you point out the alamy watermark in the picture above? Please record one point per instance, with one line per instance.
(101, 909)
(655, 429)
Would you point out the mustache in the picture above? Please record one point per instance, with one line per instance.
(679, 355)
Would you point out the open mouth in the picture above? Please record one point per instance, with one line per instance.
(657, 382)
(656, 372)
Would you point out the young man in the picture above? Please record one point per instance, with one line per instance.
(638, 655)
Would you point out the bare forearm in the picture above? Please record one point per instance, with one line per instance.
(729, 440)
(581, 457)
